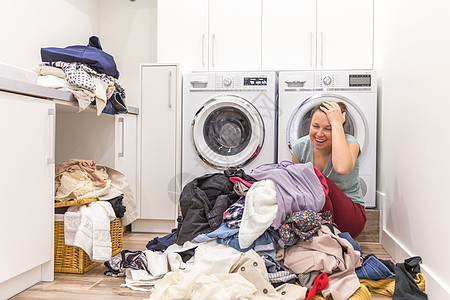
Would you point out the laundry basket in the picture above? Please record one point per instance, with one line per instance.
(70, 259)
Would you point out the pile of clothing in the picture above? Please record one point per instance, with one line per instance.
(87, 72)
(261, 236)
(88, 226)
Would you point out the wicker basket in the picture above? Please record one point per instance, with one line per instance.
(70, 259)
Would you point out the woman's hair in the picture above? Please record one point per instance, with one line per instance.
(342, 106)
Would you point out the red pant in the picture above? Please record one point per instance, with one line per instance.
(349, 216)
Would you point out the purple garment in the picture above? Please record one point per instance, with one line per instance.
(298, 187)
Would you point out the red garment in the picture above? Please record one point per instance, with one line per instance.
(347, 215)
(245, 182)
(320, 283)
(322, 180)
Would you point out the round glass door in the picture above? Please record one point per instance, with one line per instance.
(227, 131)
(300, 120)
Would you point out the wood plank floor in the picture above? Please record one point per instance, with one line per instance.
(95, 285)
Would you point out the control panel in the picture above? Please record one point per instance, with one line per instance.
(345, 80)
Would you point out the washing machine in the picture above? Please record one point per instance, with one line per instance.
(299, 92)
(229, 120)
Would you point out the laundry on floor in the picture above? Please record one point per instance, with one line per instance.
(261, 236)
(87, 226)
(87, 72)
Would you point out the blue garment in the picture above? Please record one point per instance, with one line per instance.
(115, 105)
(162, 243)
(373, 269)
(349, 238)
(91, 55)
(263, 245)
(222, 232)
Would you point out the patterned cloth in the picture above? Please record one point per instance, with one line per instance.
(134, 260)
(115, 269)
(281, 276)
(81, 75)
(302, 225)
(233, 215)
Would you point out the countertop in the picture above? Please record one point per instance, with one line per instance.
(60, 97)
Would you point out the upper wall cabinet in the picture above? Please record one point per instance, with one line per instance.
(210, 34)
(344, 34)
(317, 34)
(277, 35)
(289, 35)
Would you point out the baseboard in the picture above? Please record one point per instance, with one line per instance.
(436, 288)
(20, 283)
(153, 226)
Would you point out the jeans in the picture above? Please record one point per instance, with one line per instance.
(373, 269)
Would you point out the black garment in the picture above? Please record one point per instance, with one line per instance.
(203, 202)
(405, 286)
(235, 172)
(118, 207)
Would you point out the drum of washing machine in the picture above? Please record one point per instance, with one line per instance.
(227, 131)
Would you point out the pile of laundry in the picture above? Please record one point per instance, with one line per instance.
(87, 72)
(262, 236)
(88, 226)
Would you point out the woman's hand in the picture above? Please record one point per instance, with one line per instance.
(333, 112)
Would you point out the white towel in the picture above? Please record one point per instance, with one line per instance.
(260, 210)
(88, 227)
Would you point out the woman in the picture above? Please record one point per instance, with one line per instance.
(336, 155)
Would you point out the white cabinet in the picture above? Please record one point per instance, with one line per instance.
(160, 150)
(27, 140)
(126, 150)
(107, 139)
(344, 34)
(210, 34)
(317, 34)
(288, 35)
(235, 35)
(182, 33)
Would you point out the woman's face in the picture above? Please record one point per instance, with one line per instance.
(320, 131)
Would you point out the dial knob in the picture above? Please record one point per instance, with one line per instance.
(227, 81)
(326, 80)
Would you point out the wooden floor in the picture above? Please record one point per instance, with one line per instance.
(95, 285)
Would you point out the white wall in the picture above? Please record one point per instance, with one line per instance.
(412, 48)
(28, 25)
(128, 31)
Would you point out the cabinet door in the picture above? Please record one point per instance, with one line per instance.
(288, 35)
(159, 142)
(182, 35)
(126, 149)
(344, 34)
(27, 183)
(235, 35)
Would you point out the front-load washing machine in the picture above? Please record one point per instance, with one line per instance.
(228, 121)
(299, 92)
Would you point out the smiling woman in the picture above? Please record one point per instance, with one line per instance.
(336, 155)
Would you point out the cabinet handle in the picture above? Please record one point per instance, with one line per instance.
(321, 48)
(203, 50)
(170, 90)
(122, 147)
(51, 159)
(213, 49)
(311, 49)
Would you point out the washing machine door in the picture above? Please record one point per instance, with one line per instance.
(300, 120)
(227, 131)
